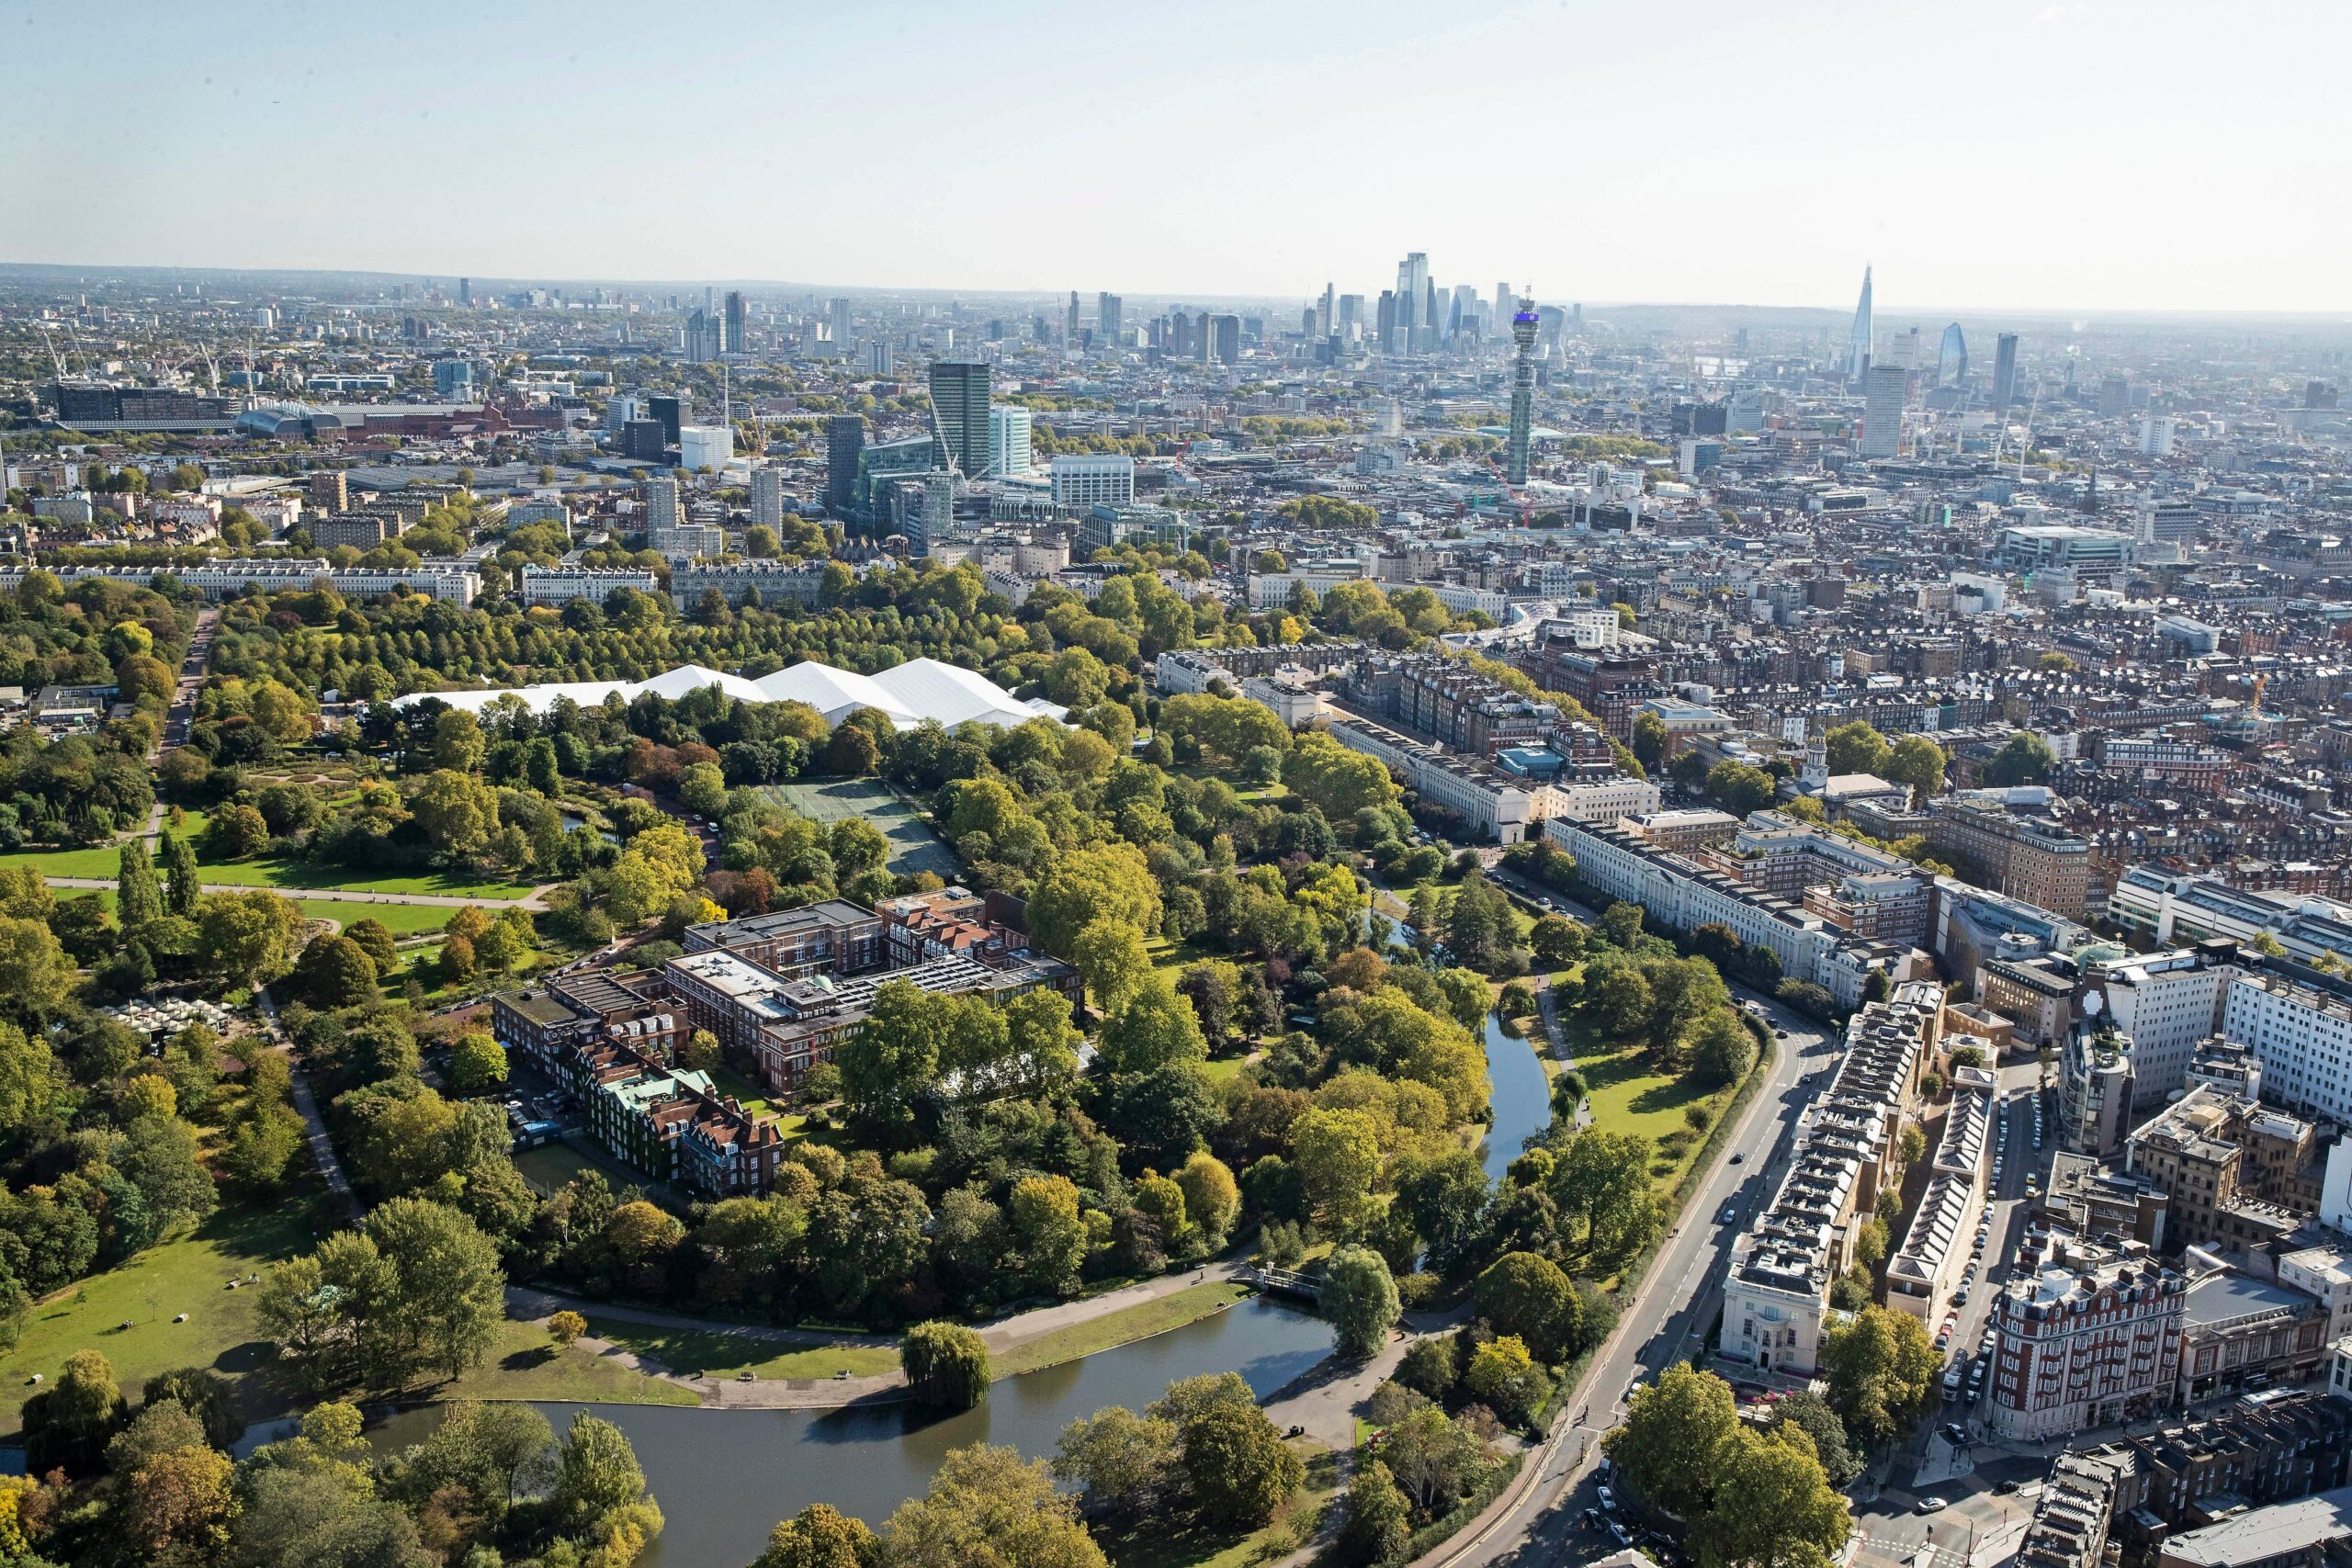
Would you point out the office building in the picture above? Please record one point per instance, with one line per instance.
(644, 441)
(1221, 340)
(700, 338)
(733, 335)
(1412, 288)
(844, 442)
(1108, 310)
(1082, 481)
(2005, 371)
(2155, 436)
(2240, 1175)
(959, 407)
(701, 446)
(1008, 440)
(838, 318)
(1883, 389)
(1951, 358)
(453, 380)
(672, 413)
(2023, 853)
(2299, 1029)
(1859, 340)
(2084, 1336)
(2169, 1004)
(767, 495)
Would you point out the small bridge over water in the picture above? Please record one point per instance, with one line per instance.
(1290, 1282)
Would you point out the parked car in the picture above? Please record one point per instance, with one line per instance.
(1931, 1504)
(1608, 1500)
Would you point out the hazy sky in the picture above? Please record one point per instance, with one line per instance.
(2079, 154)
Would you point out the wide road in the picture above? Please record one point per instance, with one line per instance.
(1667, 1318)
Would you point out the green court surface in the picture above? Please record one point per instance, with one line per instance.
(913, 847)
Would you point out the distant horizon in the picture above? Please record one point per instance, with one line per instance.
(2121, 160)
(2091, 317)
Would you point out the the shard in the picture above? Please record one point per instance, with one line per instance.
(1858, 348)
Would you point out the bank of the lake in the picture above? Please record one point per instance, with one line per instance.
(724, 1477)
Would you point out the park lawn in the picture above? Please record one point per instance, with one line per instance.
(101, 861)
(524, 1364)
(401, 919)
(1222, 1068)
(293, 875)
(724, 1354)
(1121, 1327)
(1163, 1543)
(186, 1274)
(550, 1165)
(1630, 1096)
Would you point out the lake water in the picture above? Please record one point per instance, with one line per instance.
(725, 1477)
(1522, 1098)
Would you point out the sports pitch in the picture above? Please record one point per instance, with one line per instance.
(913, 847)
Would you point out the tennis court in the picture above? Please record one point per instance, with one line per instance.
(913, 846)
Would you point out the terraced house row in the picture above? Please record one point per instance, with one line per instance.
(1848, 1149)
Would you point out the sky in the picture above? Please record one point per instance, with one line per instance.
(2088, 155)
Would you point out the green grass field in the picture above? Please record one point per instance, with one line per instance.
(525, 1365)
(552, 1165)
(721, 1354)
(401, 919)
(1123, 1326)
(105, 861)
(188, 1274)
(914, 847)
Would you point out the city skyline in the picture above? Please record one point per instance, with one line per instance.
(762, 161)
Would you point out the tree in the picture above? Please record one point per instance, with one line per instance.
(1433, 1458)
(237, 832)
(1108, 881)
(1880, 1366)
(458, 812)
(1445, 1197)
(1650, 739)
(34, 975)
(566, 1326)
(1154, 1029)
(1122, 1459)
(448, 1294)
(1050, 1233)
(1740, 788)
(894, 1059)
(1807, 1410)
(138, 899)
(1557, 942)
(1722, 1051)
(66, 1425)
(1337, 1156)
(477, 1063)
(1686, 1413)
(1240, 1469)
(818, 1536)
(334, 972)
(458, 742)
(1621, 923)
(596, 1473)
(987, 1508)
(1111, 955)
(1212, 1198)
(1378, 1522)
(375, 940)
(178, 1506)
(159, 1158)
(1479, 928)
(1336, 781)
(1919, 763)
(205, 1394)
(181, 882)
(946, 1365)
(1855, 748)
(1359, 1298)
(1503, 1376)
(2025, 759)
(247, 937)
(1527, 1296)
(30, 1080)
(1772, 1503)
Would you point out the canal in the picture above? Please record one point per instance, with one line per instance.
(724, 1477)
(1522, 1096)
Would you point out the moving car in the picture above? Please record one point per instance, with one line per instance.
(1738, 1156)
(1931, 1504)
